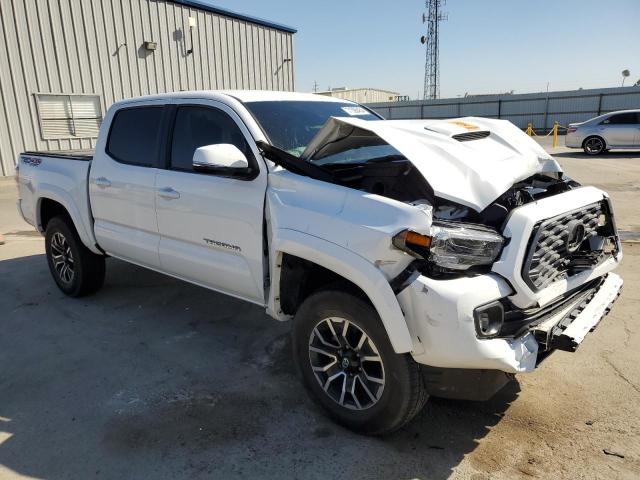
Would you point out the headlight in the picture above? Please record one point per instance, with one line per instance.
(454, 246)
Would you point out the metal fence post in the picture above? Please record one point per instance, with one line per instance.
(599, 105)
(546, 111)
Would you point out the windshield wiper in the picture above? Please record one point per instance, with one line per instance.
(293, 163)
(364, 163)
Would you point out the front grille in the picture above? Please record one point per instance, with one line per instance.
(553, 255)
(466, 137)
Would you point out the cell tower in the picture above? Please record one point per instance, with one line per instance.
(432, 19)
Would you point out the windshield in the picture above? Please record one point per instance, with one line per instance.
(290, 125)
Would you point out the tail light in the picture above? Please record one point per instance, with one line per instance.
(571, 129)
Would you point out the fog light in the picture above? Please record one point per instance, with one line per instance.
(489, 319)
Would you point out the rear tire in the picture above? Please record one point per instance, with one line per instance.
(594, 145)
(374, 390)
(76, 270)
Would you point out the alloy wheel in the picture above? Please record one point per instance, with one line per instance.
(594, 146)
(62, 257)
(346, 363)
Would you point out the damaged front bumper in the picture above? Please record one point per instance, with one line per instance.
(440, 315)
(567, 329)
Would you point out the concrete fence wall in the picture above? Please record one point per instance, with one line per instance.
(539, 109)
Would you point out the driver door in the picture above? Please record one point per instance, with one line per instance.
(210, 225)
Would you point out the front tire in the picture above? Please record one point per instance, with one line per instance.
(349, 367)
(594, 146)
(76, 270)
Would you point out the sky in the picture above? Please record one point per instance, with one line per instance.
(487, 46)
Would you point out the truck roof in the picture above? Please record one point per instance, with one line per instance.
(242, 95)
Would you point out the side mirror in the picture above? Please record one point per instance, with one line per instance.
(221, 157)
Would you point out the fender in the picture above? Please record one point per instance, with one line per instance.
(348, 265)
(57, 194)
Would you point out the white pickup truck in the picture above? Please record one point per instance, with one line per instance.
(415, 257)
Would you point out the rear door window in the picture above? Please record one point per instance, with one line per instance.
(622, 119)
(134, 136)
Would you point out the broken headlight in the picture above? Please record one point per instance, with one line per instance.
(453, 246)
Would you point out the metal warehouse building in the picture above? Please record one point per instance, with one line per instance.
(363, 95)
(64, 62)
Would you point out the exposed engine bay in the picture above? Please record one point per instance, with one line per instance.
(537, 187)
(359, 158)
(395, 177)
(392, 177)
(468, 170)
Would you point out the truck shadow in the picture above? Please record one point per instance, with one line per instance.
(155, 375)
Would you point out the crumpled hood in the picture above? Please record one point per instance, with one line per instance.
(473, 172)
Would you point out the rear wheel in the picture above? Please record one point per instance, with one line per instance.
(594, 146)
(348, 364)
(76, 270)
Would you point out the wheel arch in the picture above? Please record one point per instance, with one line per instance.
(588, 137)
(333, 264)
(51, 204)
(48, 209)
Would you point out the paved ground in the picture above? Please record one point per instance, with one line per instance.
(154, 378)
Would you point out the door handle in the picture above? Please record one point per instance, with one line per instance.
(102, 182)
(168, 193)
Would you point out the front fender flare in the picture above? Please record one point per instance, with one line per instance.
(350, 266)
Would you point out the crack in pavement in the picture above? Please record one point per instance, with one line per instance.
(619, 374)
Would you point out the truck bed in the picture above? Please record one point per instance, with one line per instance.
(83, 155)
(51, 175)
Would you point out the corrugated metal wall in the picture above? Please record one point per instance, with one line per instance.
(79, 46)
(539, 109)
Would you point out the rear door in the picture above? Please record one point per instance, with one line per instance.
(211, 226)
(122, 184)
(621, 129)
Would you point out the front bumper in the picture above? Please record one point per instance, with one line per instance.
(519, 228)
(566, 329)
(440, 316)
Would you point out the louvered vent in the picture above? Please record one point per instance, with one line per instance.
(69, 116)
(467, 137)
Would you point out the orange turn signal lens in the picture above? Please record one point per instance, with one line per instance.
(417, 239)
(412, 243)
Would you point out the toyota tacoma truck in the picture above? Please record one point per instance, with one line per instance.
(414, 257)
